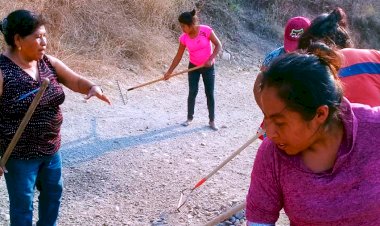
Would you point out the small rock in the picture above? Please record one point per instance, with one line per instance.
(228, 223)
(226, 56)
(240, 215)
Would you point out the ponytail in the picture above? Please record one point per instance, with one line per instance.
(331, 29)
(327, 56)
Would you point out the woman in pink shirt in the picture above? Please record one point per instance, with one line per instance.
(197, 40)
(320, 161)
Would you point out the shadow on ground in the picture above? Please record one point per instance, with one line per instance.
(92, 146)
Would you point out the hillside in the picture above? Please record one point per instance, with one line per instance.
(126, 164)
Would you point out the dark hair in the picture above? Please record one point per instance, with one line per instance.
(307, 80)
(21, 22)
(330, 28)
(188, 18)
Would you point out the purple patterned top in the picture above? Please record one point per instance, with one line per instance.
(41, 136)
(348, 194)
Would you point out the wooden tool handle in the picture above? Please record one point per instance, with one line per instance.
(160, 79)
(226, 215)
(145, 84)
(24, 122)
(234, 154)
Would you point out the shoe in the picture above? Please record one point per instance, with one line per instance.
(213, 126)
(186, 123)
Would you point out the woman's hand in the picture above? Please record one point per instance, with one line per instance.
(98, 92)
(208, 63)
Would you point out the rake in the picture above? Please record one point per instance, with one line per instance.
(183, 198)
(161, 79)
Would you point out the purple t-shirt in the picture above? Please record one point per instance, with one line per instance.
(199, 47)
(349, 194)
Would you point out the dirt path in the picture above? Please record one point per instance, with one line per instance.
(126, 164)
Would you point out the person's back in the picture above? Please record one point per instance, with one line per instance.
(360, 74)
(361, 68)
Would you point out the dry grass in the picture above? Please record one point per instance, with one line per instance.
(113, 32)
(364, 17)
(142, 34)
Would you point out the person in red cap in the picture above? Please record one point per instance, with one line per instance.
(360, 70)
(294, 28)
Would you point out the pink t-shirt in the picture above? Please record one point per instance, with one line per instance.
(349, 194)
(199, 48)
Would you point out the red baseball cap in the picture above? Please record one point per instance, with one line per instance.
(294, 28)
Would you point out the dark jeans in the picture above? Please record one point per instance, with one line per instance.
(22, 178)
(208, 76)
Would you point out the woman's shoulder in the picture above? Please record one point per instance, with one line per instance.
(205, 27)
(365, 113)
(352, 56)
(51, 60)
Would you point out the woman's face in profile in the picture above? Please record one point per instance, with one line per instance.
(33, 46)
(286, 128)
(185, 28)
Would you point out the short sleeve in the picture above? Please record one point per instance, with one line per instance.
(271, 56)
(206, 30)
(182, 39)
(264, 199)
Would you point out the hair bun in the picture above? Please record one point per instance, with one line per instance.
(339, 17)
(3, 25)
(193, 12)
(326, 55)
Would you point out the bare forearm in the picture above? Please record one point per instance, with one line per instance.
(216, 51)
(174, 64)
(84, 86)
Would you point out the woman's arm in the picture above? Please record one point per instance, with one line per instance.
(217, 48)
(1, 92)
(1, 83)
(264, 198)
(176, 60)
(75, 82)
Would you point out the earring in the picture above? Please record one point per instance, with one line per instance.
(19, 48)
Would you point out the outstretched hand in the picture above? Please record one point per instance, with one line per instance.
(98, 92)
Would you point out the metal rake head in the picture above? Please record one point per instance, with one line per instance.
(185, 194)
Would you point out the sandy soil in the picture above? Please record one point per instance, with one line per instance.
(126, 164)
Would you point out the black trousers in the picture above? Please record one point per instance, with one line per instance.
(208, 76)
